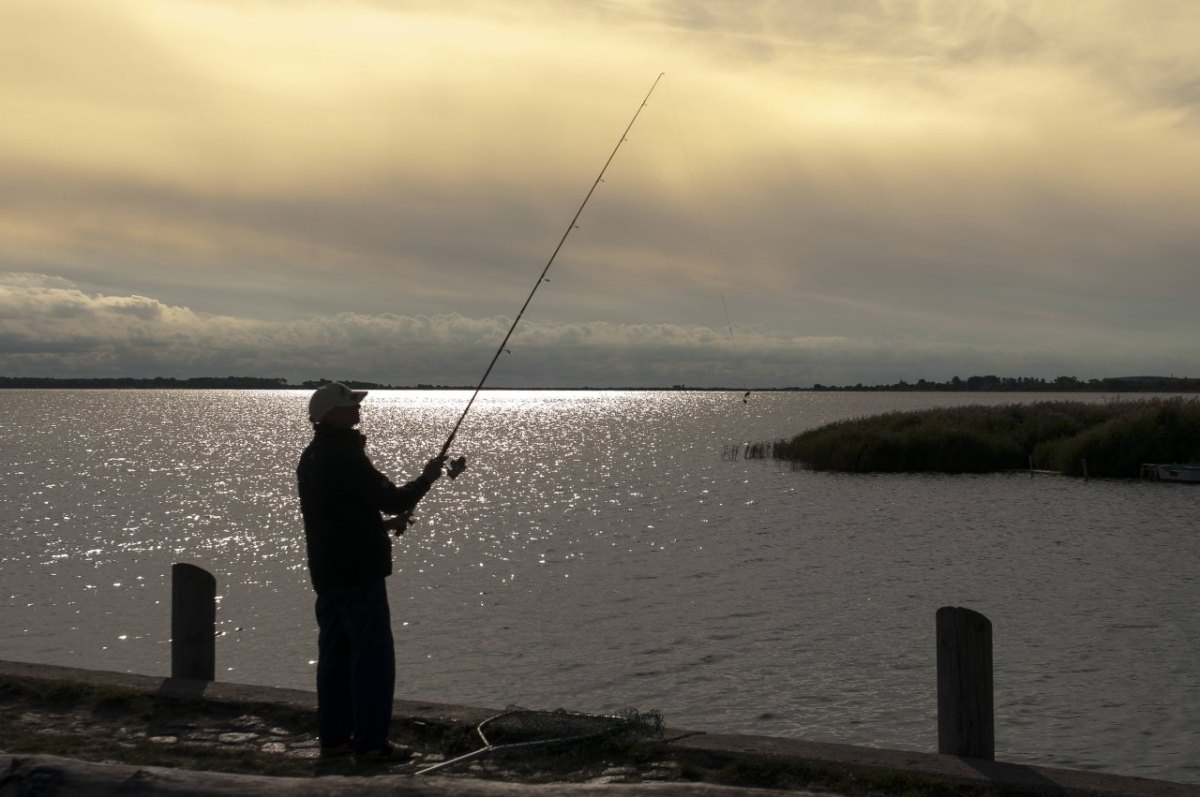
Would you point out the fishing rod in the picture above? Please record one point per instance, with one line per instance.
(457, 466)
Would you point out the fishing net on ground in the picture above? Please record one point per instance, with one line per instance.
(517, 728)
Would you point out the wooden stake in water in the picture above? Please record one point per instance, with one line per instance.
(193, 622)
(966, 711)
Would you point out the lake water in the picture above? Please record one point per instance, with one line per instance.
(601, 554)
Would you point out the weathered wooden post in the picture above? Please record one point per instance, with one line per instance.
(966, 709)
(193, 622)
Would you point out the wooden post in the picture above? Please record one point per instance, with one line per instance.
(193, 622)
(966, 709)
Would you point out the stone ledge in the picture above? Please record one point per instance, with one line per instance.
(841, 758)
(50, 776)
(1009, 778)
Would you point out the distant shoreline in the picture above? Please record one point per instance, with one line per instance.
(974, 384)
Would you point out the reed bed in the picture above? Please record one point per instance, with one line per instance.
(736, 451)
(1112, 439)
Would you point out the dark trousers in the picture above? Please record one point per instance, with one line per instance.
(356, 666)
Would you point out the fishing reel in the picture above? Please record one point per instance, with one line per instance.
(401, 523)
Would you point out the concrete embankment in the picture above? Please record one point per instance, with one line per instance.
(682, 762)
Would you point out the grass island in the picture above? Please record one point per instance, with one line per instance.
(1112, 439)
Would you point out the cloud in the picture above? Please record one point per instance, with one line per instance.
(1008, 175)
(49, 327)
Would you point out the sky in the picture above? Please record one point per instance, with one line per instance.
(817, 191)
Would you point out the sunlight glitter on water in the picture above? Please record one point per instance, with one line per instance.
(599, 554)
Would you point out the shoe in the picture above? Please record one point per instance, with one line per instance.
(336, 750)
(387, 754)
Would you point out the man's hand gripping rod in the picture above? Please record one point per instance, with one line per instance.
(457, 466)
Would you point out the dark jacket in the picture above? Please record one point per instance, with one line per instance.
(341, 498)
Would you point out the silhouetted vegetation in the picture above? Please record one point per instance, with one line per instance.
(157, 382)
(353, 384)
(171, 383)
(1115, 439)
(1030, 384)
(736, 451)
(991, 384)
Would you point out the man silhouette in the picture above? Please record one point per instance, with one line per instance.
(343, 500)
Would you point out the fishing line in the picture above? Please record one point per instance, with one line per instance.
(460, 464)
(712, 257)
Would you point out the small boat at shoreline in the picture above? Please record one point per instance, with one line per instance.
(1174, 473)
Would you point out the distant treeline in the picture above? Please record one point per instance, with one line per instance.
(1020, 384)
(158, 382)
(192, 383)
(1032, 384)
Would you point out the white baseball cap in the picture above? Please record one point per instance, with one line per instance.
(331, 396)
